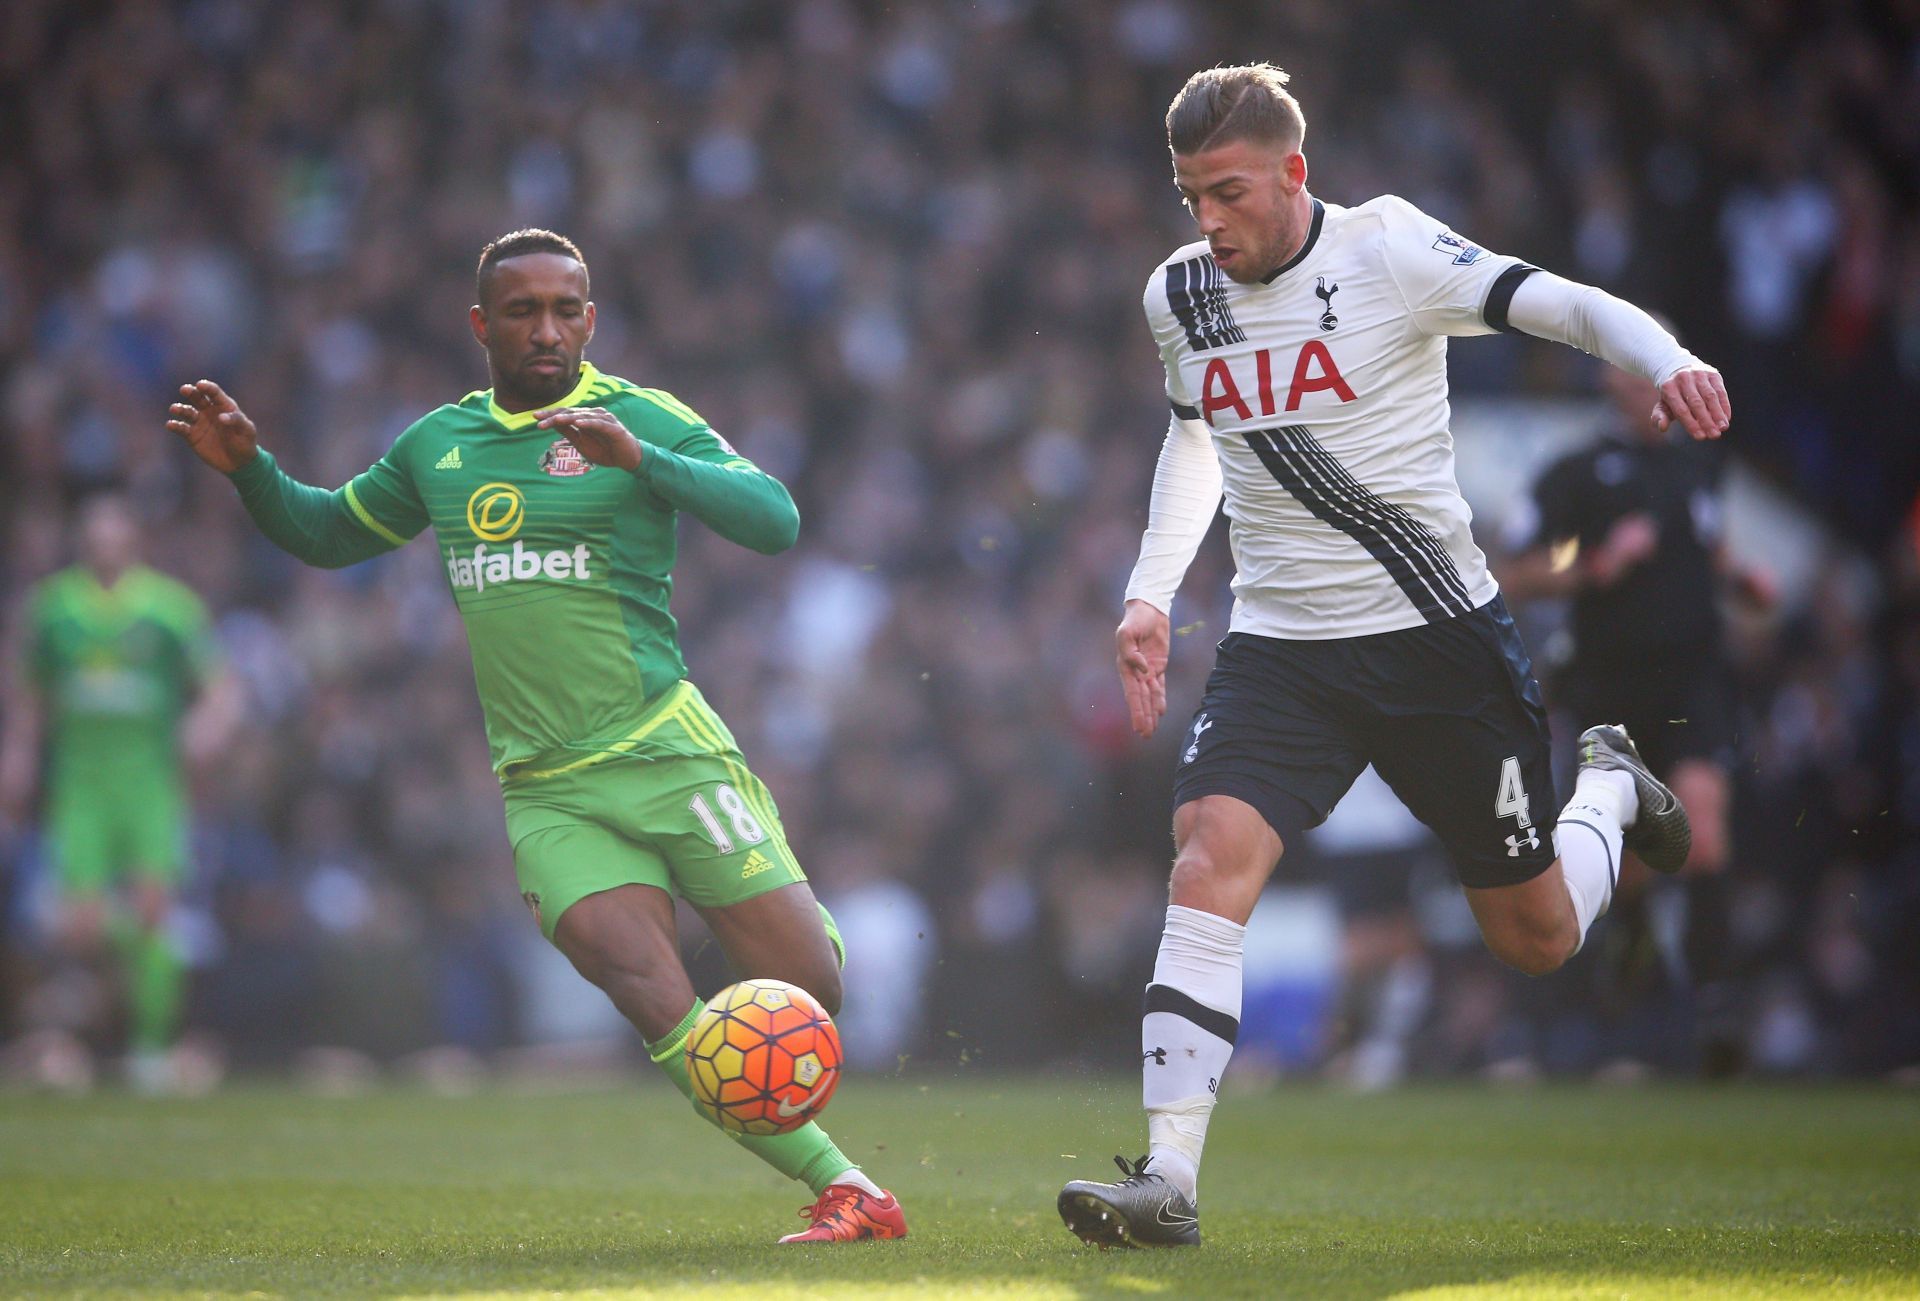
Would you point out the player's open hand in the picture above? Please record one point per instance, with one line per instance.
(214, 426)
(1696, 397)
(597, 433)
(1140, 653)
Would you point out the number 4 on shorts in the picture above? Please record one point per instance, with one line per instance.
(1511, 801)
(745, 825)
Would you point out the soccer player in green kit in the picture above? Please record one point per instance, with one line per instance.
(116, 675)
(553, 498)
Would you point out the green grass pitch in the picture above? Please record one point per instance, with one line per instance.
(1436, 1193)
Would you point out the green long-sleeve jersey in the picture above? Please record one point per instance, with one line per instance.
(562, 569)
(116, 668)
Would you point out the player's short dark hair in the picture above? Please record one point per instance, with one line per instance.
(518, 243)
(1221, 105)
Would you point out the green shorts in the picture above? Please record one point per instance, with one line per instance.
(101, 833)
(675, 807)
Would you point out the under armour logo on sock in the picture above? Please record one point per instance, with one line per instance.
(1159, 1056)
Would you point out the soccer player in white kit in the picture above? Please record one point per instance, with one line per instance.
(1305, 348)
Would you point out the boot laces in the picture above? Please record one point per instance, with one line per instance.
(832, 1203)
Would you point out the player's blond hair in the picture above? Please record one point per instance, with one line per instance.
(1220, 105)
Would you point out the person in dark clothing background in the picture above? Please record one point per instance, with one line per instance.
(1630, 531)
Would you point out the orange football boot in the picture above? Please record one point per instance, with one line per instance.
(845, 1213)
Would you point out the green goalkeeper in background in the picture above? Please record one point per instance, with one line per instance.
(553, 498)
(114, 678)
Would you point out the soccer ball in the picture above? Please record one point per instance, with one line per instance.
(764, 1057)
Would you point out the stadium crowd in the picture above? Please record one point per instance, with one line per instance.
(895, 253)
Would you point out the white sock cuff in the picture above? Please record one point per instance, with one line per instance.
(860, 1179)
(1205, 929)
(1200, 957)
(1609, 789)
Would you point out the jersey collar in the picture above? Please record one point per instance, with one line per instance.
(1306, 246)
(109, 602)
(521, 419)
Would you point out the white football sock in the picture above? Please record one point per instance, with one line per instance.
(1588, 838)
(858, 1178)
(1191, 1018)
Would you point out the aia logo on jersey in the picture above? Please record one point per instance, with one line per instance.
(563, 460)
(1314, 371)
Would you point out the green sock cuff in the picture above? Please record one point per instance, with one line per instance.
(827, 1166)
(675, 1039)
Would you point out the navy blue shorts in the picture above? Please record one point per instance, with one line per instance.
(1448, 713)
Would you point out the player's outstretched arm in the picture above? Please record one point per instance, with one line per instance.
(1692, 393)
(310, 523)
(1141, 645)
(707, 479)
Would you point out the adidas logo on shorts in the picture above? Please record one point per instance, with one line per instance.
(756, 863)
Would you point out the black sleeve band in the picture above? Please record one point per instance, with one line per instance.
(1500, 297)
(1185, 412)
(1165, 998)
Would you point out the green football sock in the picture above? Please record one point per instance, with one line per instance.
(156, 984)
(806, 1154)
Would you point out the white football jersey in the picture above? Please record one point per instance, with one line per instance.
(1324, 390)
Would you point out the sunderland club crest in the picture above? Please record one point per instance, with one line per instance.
(563, 460)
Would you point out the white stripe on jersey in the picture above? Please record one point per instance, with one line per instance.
(1324, 391)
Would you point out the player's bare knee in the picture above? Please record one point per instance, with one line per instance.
(818, 974)
(1535, 950)
(825, 986)
(1194, 870)
(1543, 959)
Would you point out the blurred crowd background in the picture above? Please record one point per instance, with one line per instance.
(896, 254)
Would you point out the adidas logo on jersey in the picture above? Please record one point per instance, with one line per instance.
(451, 461)
(488, 568)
